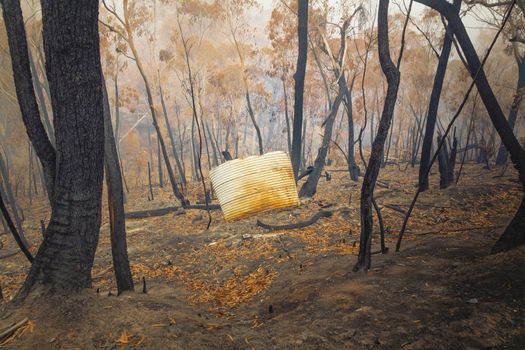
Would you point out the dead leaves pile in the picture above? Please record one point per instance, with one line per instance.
(235, 290)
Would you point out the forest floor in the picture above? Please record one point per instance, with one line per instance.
(237, 286)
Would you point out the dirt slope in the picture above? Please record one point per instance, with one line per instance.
(240, 287)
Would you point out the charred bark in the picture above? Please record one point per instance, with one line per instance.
(172, 138)
(117, 221)
(502, 156)
(433, 106)
(71, 43)
(444, 165)
(302, 34)
(309, 188)
(353, 169)
(372, 171)
(514, 234)
(287, 118)
(25, 93)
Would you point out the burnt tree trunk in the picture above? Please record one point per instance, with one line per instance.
(353, 169)
(433, 106)
(254, 122)
(287, 118)
(303, 146)
(452, 158)
(444, 166)
(502, 153)
(30, 173)
(215, 151)
(302, 34)
(310, 186)
(372, 171)
(40, 89)
(25, 93)
(514, 234)
(172, 138)
(117, 129)
(159, 166)
(117, 221)
(150, 185)
(469, 131)
(71, 43)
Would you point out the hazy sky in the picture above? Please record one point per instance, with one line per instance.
(260, 17)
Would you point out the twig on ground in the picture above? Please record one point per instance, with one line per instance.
(284, 248)
(102, 273)
(10, 330)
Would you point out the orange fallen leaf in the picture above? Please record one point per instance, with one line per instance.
(124, 337)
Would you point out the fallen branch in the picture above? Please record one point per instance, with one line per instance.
(102, 273)
(10, 330)
(203, 206)
(383, 184)
(461, 229)
(422, 205)
(164, 211)
(395, 208)
(300, 224)
(152, 212)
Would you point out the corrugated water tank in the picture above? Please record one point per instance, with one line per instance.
(255, 184)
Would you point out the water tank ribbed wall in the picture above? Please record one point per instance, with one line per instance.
(255, 184)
